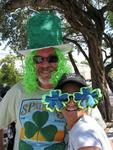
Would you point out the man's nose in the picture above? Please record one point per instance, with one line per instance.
(45, 63)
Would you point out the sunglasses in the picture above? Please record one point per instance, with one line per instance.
(49, 59)
(84, 99)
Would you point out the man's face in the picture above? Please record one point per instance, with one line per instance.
(46, 66)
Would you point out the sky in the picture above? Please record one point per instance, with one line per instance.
(3, 51)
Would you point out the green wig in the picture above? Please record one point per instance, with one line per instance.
(30, 79)
(62, 68)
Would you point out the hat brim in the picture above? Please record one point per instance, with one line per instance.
(64, 47)
(72, 81)
(78, 79)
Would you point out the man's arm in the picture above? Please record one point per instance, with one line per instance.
(89, 148)
(1, 139)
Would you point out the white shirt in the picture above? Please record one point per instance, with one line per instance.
(87, 132)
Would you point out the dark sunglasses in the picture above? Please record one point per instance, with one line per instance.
(50, 59)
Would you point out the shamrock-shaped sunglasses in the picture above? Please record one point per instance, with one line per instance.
(86, 98)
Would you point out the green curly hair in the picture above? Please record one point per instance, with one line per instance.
(30, 79)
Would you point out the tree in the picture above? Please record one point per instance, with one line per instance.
(8, 73)
(87, 20)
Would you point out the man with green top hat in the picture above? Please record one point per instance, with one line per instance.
(45, 62)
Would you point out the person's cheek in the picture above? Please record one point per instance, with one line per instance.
(54, 65)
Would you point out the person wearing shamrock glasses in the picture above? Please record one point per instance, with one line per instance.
(73, 97)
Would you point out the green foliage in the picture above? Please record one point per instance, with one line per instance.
(110, 74)
(13, 28)
(8, 73)
(84, 62)
(110, 18)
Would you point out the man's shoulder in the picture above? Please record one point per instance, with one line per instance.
(18, 85)
(83, 123)
(17, 88)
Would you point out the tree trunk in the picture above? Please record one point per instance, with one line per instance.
(84, 18)
(73, 63)
(98, 77)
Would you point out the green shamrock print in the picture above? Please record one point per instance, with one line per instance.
(39, 119)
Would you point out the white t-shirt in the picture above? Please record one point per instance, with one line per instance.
(95, 113)
(36, 128)
(87, 132)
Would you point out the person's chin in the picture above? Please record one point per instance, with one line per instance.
(44, 80)
(45, 77)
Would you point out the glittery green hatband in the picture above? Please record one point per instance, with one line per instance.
(30, 78)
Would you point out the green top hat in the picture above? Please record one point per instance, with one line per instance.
(44, 30)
